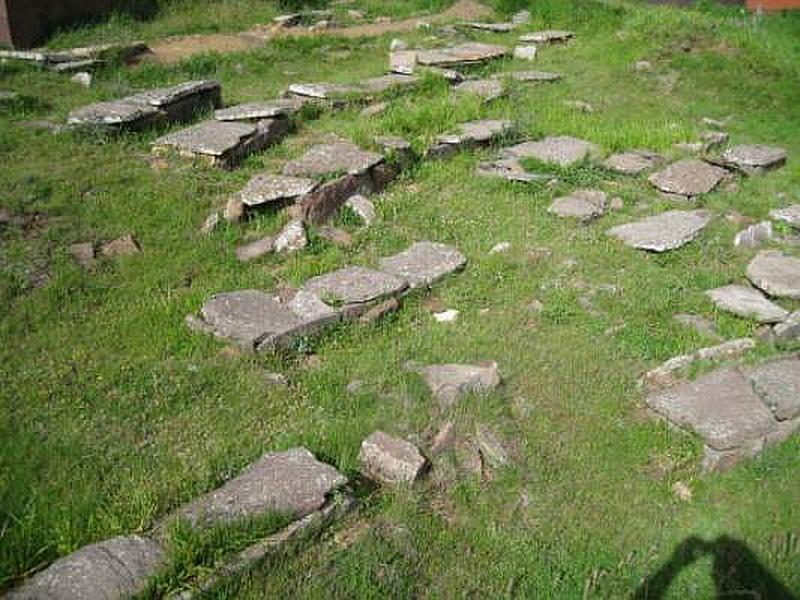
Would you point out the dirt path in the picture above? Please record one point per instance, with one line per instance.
(176, 48)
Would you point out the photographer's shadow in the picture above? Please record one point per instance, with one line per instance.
(736, 571)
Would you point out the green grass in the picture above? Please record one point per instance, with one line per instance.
(112, 413)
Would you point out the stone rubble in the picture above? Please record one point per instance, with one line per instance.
(525, 52)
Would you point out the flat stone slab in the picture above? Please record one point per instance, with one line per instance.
(325, 91)
(424, 263)
(660, 233)
(477, 132)
(355, 285)
(267, 188)
(529, 76)
(166, 96)
(776, 273)
(255, 320)
(749, 157)
(111, 570)
(464, 54)
(547, 36)
(253, 111)
(390, 460)
(338, 157)
(747, 303)
(778, 384)
(487, 89)
(790, 215)
(721, 407)
(689, 177)
(632, 162)
(449, 382)
(493, 27)
(384, 83)
(563, 150)
(292, 483)
(583, 205)
(114, 114)
(509, 169)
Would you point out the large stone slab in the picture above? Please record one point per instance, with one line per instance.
(449, 382)
(747, 303)
(464, 54)
(390, 460)
(111, 570)
(337, 157)
(292, 483)
(547, 36)
(115, 114)
(563, 150)
(778, 384)
(424, 263)
(721, 407)
(267, 188)
(632, 162)
(689, 177)
(776, 273)
(355, 286)
(486, 89)
(660, 233)
(222, 143)
(754, 157)
(254, 111)
(583, 205)
(256, 320)
(326, 91)
(790, 215)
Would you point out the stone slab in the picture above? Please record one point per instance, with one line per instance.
(583, 205)
(355, 286)
(424, 263)
(510, 169)
(464, 54)
(778, 384)
(115, 114)
(449, 382)
(267, 188)
(632, 162)
(529, 76)
(325, 159)
(486, 89)
(547, 36)
(776, 273)
(748, 157)
(253, 111)
(493, 27)
(477, 133)
(790, 215)
(292, 482)
(111, 570)
(747, 303)
(689, 177)
(667, 231)
(563, 150)
(721, 407)
(384, 83)
(390, 460)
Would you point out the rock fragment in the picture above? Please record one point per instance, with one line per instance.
(449, 382)
(391, 460)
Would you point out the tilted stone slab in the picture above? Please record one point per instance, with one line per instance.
(254, 111)
(390, 460)
(660, 233)
(324, 202)
(721, 407)
(450, 382)
(747, 303)
(111, 570)
(689, 177)
(776, 273)
(324, 159)
(487, 89)
(267, 188)
(547, 36)
(352, 286)
(116, 114)
(464, 54)
(291, 483)
(790, 215)
(168, 96)
(222, 143)
(632, 162)
(778, 384)
(424, 263)
(563, 150)
(754, 157)
(583, 205)
(529, 76)
(256, 320)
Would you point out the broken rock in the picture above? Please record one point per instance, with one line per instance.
(449, 382)
(391, 460)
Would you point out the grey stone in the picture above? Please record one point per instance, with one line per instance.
(255, 320)
(750, 157)
(83, 253)
(292, 482)
(478, 133)
(493, 27)
(632, 162)
(267, 188)
(700, 324)
(492, 449)
(291, 238)
(525, 52)
(326, 91)
(521, 17)
(234, 209)
(487, 89)
(776, 273)
(547, 36)
(254, 111)
(325, 201)
(255, 249)
(689, 177)
(510, 169)
(754, 236)
(111, 570)
(562, 150)
(464, 54)
(721, 407)
(500, 248)
(384, 83)
(450, 382)
(790, 215)
(324, 159)
(403, 62)
(335, 236)
(424, 263)
(363, 208)
(747, 303)
(583, 205)
(666, 231)
(390, 460)
(778, 384)
(83, 78)
(182, 101)
(125, 245)
(355, 286)
(397, 44)
(529, 76)
(115, 114)
(788, 330)
(666, 373)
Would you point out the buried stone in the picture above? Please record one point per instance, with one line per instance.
(562, 150)
(583, 205)
(391, 460)
(689, 177)
(660, 233)
(449, 382)
(776, 273)
(424, 263)
(632, 162)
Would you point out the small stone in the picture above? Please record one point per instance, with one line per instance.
(778, 384)
(583, 205)
(291, 238)
(700, 324)
(632, 162)
(754, 157)
(616, 203)
(642, 65)
(374, 109)
(83, 253)
(424, 263)
(521, 17)
(450, 382)
(336, 236)
(712, 139)
(754, 236)
(776, 273)
(446, 316)
(492, 449)
(525, 52)
(276, 379)
(379, 311)
(396, 44)
(234, 210)
(486, 89)
(478, 133)
(83, 78)
(562, 150)
(211, 223)
(391, 460)
(500, 248)
(747, 303)
(579, 105)
(354, 386)
(682, 491)
(363, 208)
(403, 62)
(667, 231)
(535, 306)
(719, 124)
(790, 215)
(788, 330)
(122, 246)
(689, 177)
(255, 249)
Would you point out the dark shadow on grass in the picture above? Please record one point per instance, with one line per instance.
(736, 571)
